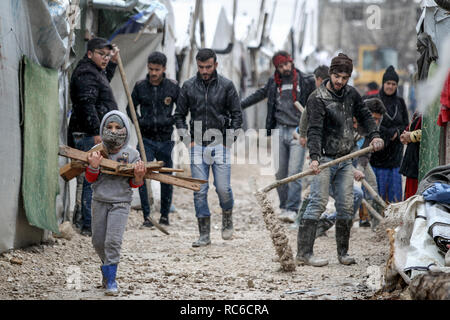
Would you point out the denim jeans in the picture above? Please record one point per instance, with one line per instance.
(389, 182)
(84, 142)
(219, 159)
(357, 200)
(291, 156)
(338, 178)
(161, 151)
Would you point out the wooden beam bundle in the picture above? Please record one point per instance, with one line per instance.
(155, 169)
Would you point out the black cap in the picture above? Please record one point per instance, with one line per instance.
(390, 74)
(98, 43)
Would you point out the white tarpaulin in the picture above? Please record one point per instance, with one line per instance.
(414, 249)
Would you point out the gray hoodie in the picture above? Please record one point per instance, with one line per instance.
(110, 188)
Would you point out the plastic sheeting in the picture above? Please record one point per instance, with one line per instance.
(30, 28)
(134, 57)
(40, 157)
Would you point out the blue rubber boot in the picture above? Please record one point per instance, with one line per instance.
(110, 273)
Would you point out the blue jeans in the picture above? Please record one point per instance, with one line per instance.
(291, 156)
(218, 158)
(84, 142)
(339, 179)
(161, 151)
(389, 183)
(357, 200)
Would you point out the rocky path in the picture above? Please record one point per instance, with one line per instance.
(157, 266)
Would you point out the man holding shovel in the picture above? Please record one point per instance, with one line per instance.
(331, 109)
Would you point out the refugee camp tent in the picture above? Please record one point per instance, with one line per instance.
(35, 41)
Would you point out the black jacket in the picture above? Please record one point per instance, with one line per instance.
(91, 96)
(410, 162)
(271, 92)
(330, 121)
(395, 120)
(156, 105)
(215, 104)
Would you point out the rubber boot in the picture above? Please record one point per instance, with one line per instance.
(323, 225)
(342, 240)
(227, 224)
(305, 243)
(204, 227)
(110, 273)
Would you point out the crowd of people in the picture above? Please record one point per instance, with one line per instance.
(332, 121)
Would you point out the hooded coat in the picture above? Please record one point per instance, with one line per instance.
(111, 188)
(395, 120)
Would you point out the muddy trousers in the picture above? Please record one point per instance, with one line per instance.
(109, 221)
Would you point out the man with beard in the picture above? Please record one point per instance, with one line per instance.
(285, 87)
(216, 118)
(92, 98)
(386, 163)
(155, 96)
(331, 109)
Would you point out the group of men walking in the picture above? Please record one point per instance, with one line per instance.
(212, 101)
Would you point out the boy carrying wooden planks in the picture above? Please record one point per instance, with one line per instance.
(112, 195)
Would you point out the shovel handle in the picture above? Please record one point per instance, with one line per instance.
(309, 172)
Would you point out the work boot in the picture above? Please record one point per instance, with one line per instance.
(86, 231)
(77, 218)
(323, 225)
(147, 223)
(110, 273)
(364, 224)
(287, 216)
(305, 243)
(103, 278)
(164, 220)
(227, 224)
(342, 240)
(204, 227)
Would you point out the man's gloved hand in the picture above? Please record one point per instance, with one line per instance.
(439, 192)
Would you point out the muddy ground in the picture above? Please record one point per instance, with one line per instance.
(156, 266)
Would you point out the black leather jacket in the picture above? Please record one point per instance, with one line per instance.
(215, 104)
(156, 105)
(330, 121)
(271, 92)
(91, 96)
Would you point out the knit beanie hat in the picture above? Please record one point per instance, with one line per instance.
(341, 63)
(390, 74)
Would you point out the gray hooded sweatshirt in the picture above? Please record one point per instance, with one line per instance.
(110, 188)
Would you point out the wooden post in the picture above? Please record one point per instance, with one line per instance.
(373, 193)
(139, 136)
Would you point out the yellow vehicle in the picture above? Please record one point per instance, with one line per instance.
(372, 63)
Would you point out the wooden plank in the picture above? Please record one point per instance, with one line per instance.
(163, 178)
(129, 168)
(192, 179)
(112, 167)
(173, 180)
(71, 170)
(76, 154)
(167, 170)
